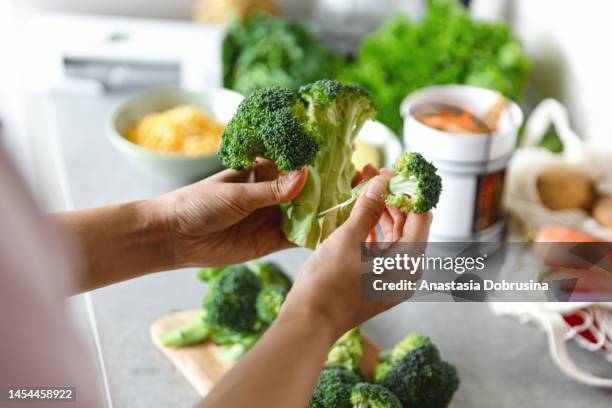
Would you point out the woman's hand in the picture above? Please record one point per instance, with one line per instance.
(230, 217)
(328, 287)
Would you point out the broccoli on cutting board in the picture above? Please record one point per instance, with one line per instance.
(241, 302)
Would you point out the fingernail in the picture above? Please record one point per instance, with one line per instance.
(292, 176)
(377, 188)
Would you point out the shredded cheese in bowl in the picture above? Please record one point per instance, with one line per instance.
(184, 129)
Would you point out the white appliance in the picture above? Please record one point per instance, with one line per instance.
(102, 54)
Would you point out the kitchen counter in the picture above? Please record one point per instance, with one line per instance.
(502, 363)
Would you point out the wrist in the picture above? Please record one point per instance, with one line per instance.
(323, 325)
(156, 227)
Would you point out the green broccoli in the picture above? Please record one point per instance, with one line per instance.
(366, 395)
(235, 346)
(270, 274)
(316, 126)
(193, 332)
(388, 357)
(347, 351)
(269, 302)
(333, 389)
(416, 186)
(417, 375)
(230, 300)
(208, 274)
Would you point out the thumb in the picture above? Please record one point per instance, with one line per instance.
(368, 209)
(280, 190)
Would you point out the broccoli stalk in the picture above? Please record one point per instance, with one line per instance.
(416, 374)
(365, 395)
(193, 332)
(314, 126)
(416, 186)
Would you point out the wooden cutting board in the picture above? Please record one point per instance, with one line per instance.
(202, 365)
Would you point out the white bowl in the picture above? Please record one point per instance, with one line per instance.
(220, 103)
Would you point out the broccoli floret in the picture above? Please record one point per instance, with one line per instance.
(316, 126)
(346, 351)
(230, 300)
(416, 186)
(418, 376)
(269, 123)
(208, 274)
(333, 389)
(269, 302)
(388, 357)
(270, 274)
(193, 332)
(366, 395)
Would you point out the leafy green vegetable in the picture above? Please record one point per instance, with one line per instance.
(316, 126)
(446, 47)
(265, 50)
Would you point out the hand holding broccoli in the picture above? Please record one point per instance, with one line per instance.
(231, 217)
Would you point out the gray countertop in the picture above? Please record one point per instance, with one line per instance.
(501, 362)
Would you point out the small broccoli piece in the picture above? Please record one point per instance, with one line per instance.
(347, 351)
(366, 395)
(230, 300)
(269, 123)
(270, 274)
(416, 186)
(269, 302)
(193, 332)
(388, 357)
(418, 376)
(333, 390)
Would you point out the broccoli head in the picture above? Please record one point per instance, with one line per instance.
(269, 302)
(270, 274)
(364, 395)
(270, 123)
(314, 126)
(230, 300)
(333, 389)
(208, 274)
(418, 376)
(388, 357)
(347, 351)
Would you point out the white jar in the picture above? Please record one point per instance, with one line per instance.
(472, 166)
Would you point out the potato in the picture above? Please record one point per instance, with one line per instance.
(565, 187)
(602, 211)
